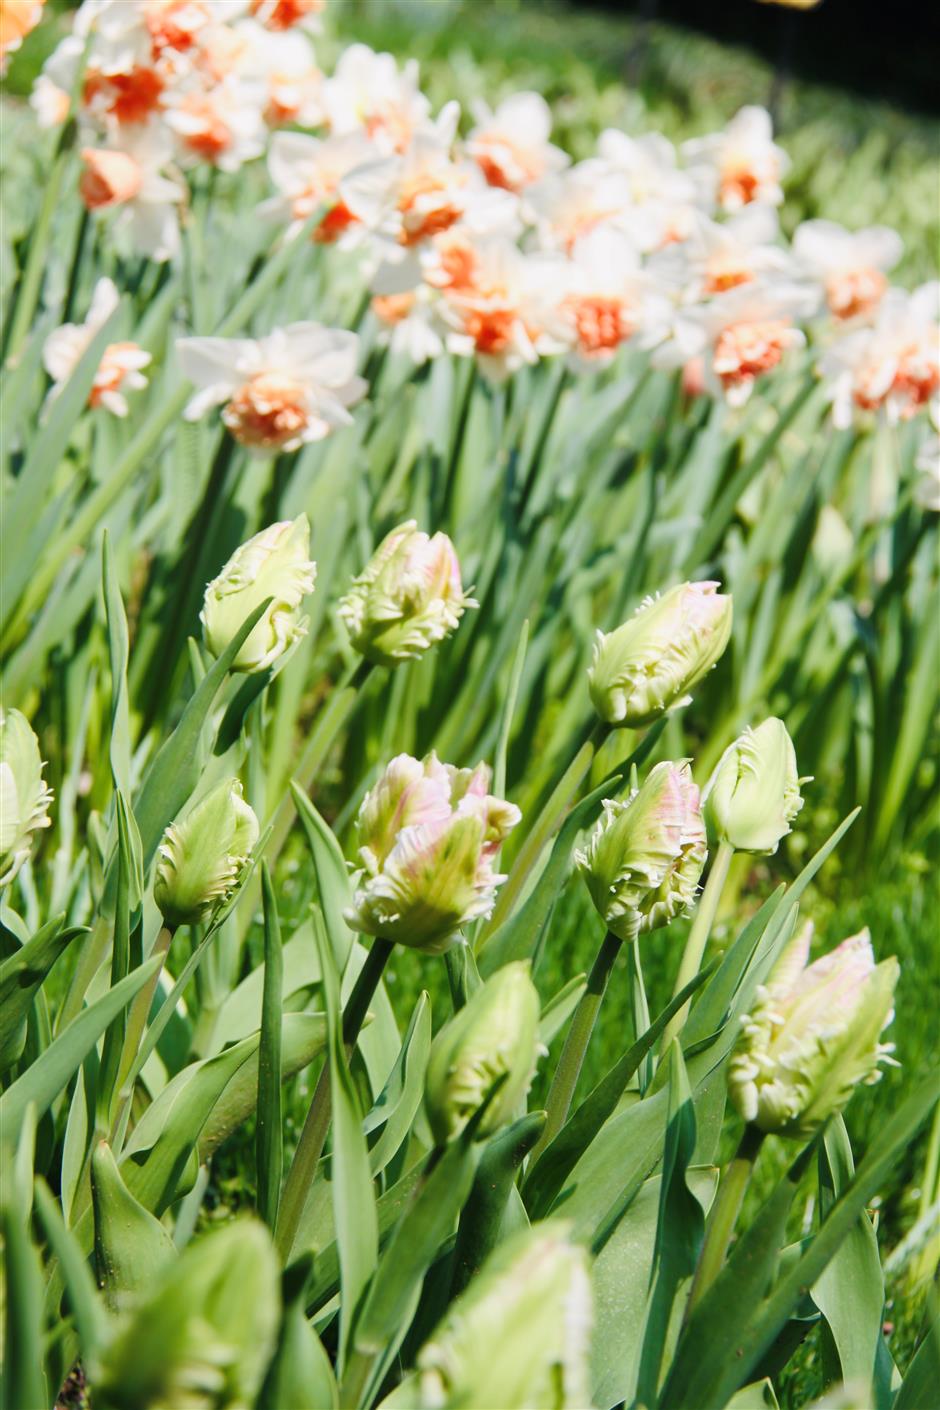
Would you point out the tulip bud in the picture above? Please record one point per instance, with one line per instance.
(520, 1334)
(428, 839)
(645, 856)
(24, 797)
(407, 597)
(812, 1035)
(200, 857)
(276, 564)
(754, 793)
(202, 1339)
(495, 1035)
(648, 665)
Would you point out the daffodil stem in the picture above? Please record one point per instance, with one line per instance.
(313, 1136)
(698, 936)
(576, 1042)
(723, 1214)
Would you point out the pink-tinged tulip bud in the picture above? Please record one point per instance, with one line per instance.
(754, 793)
(275, 563)
(644, 859)
(24, 795)
(649, 665)
(407, 597)
(109, 179)
(428, 839)
(812, 1035)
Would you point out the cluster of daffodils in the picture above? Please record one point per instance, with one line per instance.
(476, 234)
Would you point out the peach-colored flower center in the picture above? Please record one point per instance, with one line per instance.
(740, 184)
(268, 411)
(746, 350)
(211, 135)
(284, 14)
(109, 178)
(426, 209)
(174, 24)
(456, 266)
(602, 323)
(392, 308)
(490, 156)
(111, 371)
(391, 121)
(857, 292)
(335, 223)
(722, 276)
(490, 327)
(130, 97)
(916, 381)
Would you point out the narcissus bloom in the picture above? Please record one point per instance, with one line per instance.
(293, 386)
(307, 172)
(274, 563)
(510, 145)
(851, 265)
(202, 855)
(428, 839)
(649, 665)
(644, 858)
(495, 1035)
(24, 796)
(17, 18)
(891, 369)
(408, 596)
(812, 1035)
(131, 176)
(740, 164)
(754, 793)
(520, 1335)
(120, 368)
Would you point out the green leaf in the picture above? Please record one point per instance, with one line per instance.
(268, 1138)
(84, 1302)
(558, 1159)
(175, 770)
(559, 1009)
(679, 1229)
(357, 1233)
(130, 1244)
(759, 1395)
(53, 1069)
(21, 977)
(918, 1390)
(300, 1375)
(332, 876)
(396, 1107)
(482, 1215)
(22, 1383)
(850, 1291)
(120, 742)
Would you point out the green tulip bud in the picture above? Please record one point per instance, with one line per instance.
(24, 797)
(649, 665)
(519, 1336)
(644, 859)
(201, 856)
(812, 1035)
(754, 793)
(407, 597)
(429, 835)
(276, 564)
(202, 1339)
(495, 1035)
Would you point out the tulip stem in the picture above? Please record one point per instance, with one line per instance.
(723, 1215)
(576, 1042)
(313, 1136)
(698, 937)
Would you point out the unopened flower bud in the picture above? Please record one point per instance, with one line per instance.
(24, 797)
(201, 856)
(645, 856)
(428, 839)
(407, 597)
(519, 1336)
(276, 564)
(649, 665)
(754, 793)
(812, 1035)
(203, 1337)
(494, 1036)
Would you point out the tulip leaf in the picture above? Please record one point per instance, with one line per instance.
(130, 1244)
(918, 1390)
(559, 1009)
(21, 977)
(482, 1216)
(120, 740)
(268, 1138)
(850, 1291)
(42, 1082)
(300, 1374)
(331, 873)
(397, 1104)
(556, 1162)
(22, 1383)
